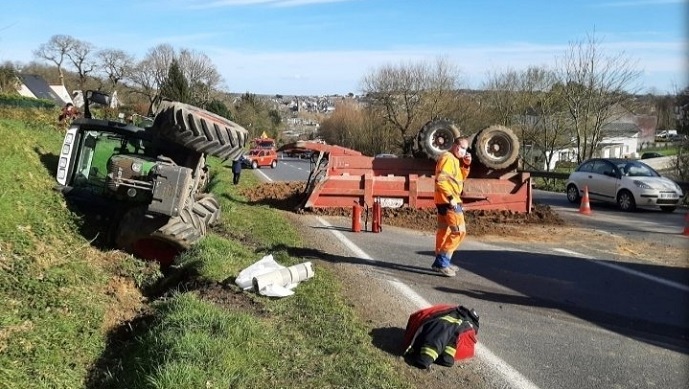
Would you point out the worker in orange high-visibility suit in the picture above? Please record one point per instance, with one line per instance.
(451, 170)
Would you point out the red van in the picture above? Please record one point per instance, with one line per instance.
(260, 157)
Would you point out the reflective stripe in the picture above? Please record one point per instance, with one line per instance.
(450, 350)
(430, 352)
(451, 319)
(444, 176)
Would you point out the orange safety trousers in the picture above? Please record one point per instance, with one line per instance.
(450, 232)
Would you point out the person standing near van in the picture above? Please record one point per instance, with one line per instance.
(236, 170)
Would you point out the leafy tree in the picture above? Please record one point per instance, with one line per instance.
(253, 114)
(8, 78)
(175, 86)
(218, 107)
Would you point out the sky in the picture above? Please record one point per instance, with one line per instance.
(326, 47)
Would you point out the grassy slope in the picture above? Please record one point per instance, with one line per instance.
(61, 299)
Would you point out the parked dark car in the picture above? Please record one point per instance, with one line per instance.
(651, 155)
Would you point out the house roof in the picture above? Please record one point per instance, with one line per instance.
(620, 129)
(40, 88)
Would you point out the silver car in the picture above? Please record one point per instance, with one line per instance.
(625, 182)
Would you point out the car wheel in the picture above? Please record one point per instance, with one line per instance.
(254, 165)
(625, 200)
(668, 209)
(572, 193)
(273, 164)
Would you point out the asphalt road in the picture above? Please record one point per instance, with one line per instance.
(644, 224)
(549, 318)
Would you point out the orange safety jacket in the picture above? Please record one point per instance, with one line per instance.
(450, 174)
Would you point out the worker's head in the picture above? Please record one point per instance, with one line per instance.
(459, 147)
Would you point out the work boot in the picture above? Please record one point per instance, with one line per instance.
(445, 271)
(455, 268)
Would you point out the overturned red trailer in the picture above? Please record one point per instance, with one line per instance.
(341, 177)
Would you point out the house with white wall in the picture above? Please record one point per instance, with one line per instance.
(618, 140)
(35, 86)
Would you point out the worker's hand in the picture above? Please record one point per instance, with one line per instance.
(453, 203)
(467, 159)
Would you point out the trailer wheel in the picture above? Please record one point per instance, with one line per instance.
(199, 130)
(436, 137)
(496, 147)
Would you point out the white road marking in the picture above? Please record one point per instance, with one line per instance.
(348, 243)
(508, 373)
(264, 175)
(659, 280)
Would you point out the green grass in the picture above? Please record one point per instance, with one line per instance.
(665, 151)
(61, 311)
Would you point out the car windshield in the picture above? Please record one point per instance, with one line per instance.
(636, 169)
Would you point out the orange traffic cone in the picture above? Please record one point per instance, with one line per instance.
(686, 225)
(585, 207)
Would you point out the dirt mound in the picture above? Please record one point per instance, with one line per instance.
(288, 196)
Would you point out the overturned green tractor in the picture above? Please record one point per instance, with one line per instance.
(143, 189)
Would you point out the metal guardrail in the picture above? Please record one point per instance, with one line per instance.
(541, 174)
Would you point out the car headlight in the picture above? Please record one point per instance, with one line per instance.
(69, 138)
(63, 162)
(642, 184)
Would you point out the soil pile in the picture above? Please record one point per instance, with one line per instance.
(289, 196)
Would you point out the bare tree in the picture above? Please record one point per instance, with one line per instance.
(143, 75)
(81, 55)
(408, 95)
(440, 96)
(160, 58)
(116, 65)
(500, 98)
(201, 74)
(593, 84)
(55, 51)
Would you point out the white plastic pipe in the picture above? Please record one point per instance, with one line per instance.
(284, 277)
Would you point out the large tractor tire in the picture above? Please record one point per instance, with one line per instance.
(161, 238)
(201, 176)
(495, 147)
(436, 137)
(199, 130)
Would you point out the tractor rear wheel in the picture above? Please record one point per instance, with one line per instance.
(161, 238)
(496, 147)
(199, 130)
(436, 137)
